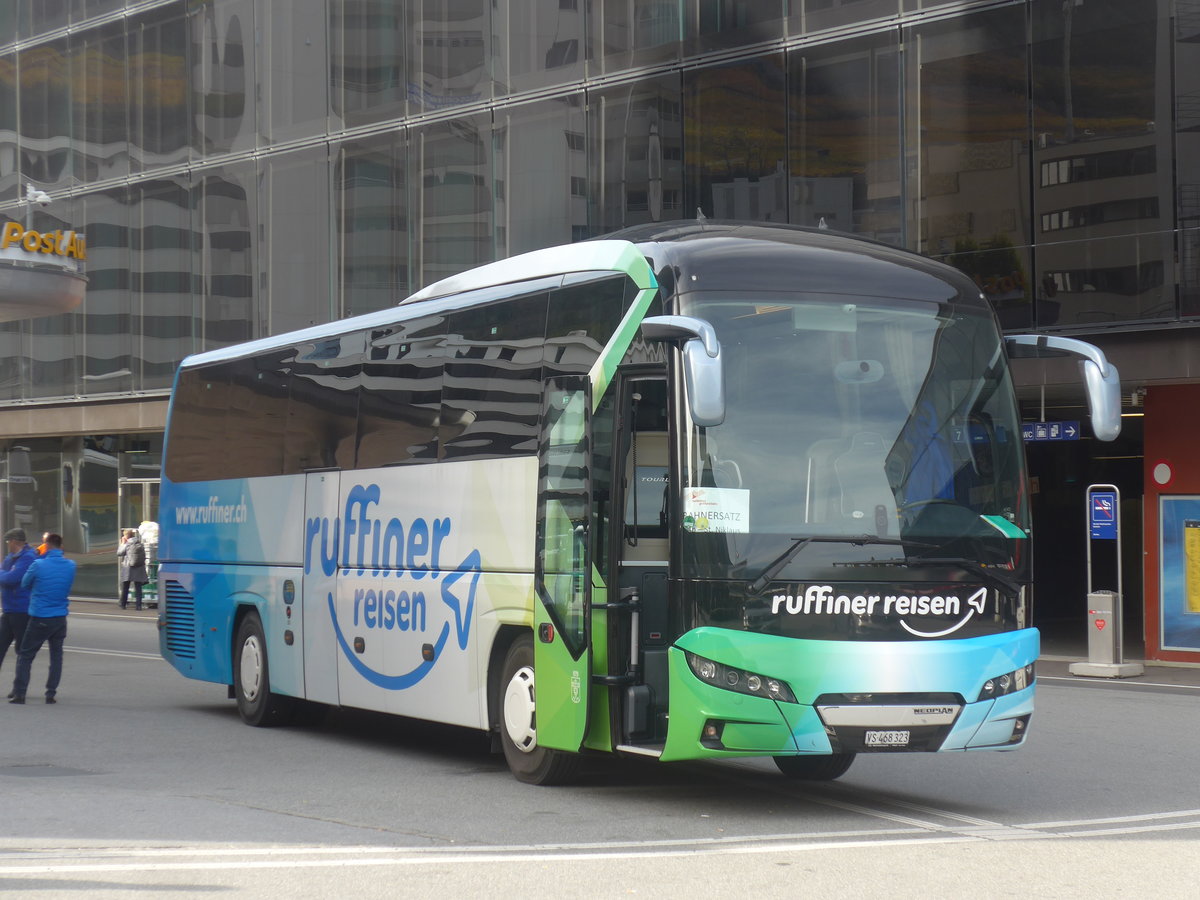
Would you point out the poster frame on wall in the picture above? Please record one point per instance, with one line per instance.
(1179, 571)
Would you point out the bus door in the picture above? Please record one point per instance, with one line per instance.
(562, 645)
(319, 591)
(638, 644)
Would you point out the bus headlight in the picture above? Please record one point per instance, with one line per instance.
(739, 680)
(1008, 683)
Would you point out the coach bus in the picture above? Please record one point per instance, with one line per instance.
(697, 490)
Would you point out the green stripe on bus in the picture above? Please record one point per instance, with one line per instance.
(605, 367)
(634, 264)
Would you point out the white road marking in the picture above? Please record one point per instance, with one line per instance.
(65, 862)
(127, 654)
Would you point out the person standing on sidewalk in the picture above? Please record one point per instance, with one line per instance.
(14, 599)
(132, 554)
(49, 580)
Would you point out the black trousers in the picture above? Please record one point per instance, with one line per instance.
(12, 630)
(137, 592)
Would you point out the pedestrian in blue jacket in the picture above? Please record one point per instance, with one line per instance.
(14, 599)
(49, 581)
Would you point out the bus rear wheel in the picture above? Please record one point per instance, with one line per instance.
(815, 768)
(528, 762)
(258, 705)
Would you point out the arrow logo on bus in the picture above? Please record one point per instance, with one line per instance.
(460, 602)
(976, 603)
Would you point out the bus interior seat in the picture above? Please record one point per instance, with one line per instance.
(847, 482)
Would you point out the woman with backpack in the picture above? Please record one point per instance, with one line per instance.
(132, 554)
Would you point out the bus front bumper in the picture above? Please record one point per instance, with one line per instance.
(970, 694)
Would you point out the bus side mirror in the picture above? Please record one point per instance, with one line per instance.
(1099, 375)
(703, 368)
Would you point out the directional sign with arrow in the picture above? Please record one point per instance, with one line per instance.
(1049, 431)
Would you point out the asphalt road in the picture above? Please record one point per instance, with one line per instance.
(139, 781)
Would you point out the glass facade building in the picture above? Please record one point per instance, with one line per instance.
(246, 167)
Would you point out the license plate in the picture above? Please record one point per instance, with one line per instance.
(887, 739)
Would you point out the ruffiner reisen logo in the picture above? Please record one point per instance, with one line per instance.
(390, 574)
(820, 600)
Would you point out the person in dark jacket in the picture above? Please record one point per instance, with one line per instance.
(49, 581)
(14, 599)
(132, 555)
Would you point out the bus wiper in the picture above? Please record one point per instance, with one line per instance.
(799, 543)
(1001, 582)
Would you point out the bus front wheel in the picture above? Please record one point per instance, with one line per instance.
(815, 768)
(518, 723)
(252, 677)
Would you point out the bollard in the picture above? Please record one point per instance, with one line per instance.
(1105, 656)
(1104, 627)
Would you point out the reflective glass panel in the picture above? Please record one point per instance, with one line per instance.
(541, 175)
(41, 16)
(107, 317)
(844, 138)
(295, 199)
(163, 243)
(227, 220)
(295, 70)
(1187, 155)
(637, 32)
(724, 24)
(451, 186)
(223, 76)
(449, 53)
(737, 141)
(160, 89)
(82, 10)
(14, 360)
(1102, 281)
(815, 15)
(366, 60)
(636, 132)
(967, 77)
(541, 43)
(1100, 160)
(100, 102)
(45, 113)
(10, 177)
(370, 196)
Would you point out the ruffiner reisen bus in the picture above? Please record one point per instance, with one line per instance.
(697, 490)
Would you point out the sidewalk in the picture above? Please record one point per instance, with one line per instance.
(1063, 646)
(99, 606)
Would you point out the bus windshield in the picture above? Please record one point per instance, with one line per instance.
(856, 418)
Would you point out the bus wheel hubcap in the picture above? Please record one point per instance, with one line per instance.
(519, 716)
(251, 669)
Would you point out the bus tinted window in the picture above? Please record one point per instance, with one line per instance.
(197, 442)
(258, 399)
(492, 393)
(322, 423)
(400, 399)
(584, 313)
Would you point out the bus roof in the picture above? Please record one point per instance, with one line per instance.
(684, 256)
(695, 255)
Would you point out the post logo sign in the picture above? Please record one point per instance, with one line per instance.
(67, 244)
(823, 600)
(397, 579)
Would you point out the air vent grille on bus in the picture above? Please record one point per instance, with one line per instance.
(181, 621)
